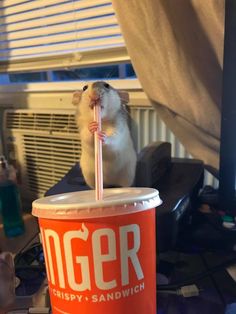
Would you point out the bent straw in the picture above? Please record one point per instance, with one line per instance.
(98, 155)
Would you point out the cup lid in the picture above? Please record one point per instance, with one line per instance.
(81, 205)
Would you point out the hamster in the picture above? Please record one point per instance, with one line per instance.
(119, 156)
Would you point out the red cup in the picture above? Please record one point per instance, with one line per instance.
(100, 255)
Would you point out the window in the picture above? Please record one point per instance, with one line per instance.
(58, 34)
(79, 74)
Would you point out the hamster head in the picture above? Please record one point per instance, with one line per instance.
(98, 94)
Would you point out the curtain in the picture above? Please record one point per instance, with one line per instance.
(176, 48)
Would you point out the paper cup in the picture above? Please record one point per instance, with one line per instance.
(100, 255)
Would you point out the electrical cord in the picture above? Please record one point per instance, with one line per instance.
(197, 277)
(185, 291)
(213, 280)
(21, 251)
(29, 262)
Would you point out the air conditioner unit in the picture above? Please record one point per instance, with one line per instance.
(45, 144)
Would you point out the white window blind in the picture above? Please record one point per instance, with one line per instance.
(45, 34)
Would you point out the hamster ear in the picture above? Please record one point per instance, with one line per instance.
(76, 97)
(124, 96)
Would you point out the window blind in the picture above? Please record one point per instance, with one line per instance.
(45, 34)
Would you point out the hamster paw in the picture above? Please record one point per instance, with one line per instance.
(102, 136)
(93, 127)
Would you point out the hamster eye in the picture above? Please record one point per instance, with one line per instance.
(85, 87)
(106, 85)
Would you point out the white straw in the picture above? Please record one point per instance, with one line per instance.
(98, 156)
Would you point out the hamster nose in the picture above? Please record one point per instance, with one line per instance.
(95, 99)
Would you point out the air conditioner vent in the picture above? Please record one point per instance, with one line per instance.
(40, 121)
(48, 159)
